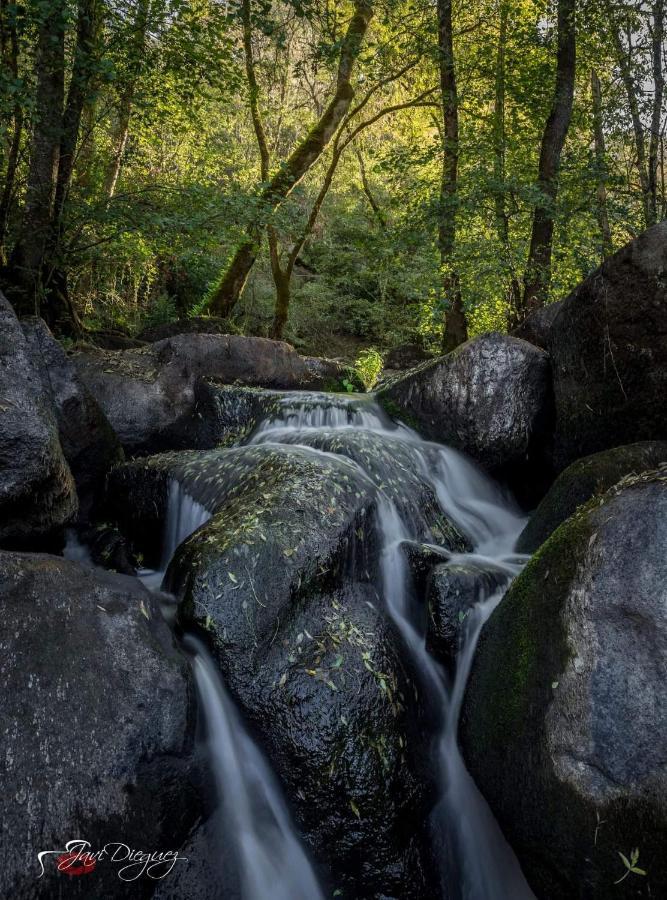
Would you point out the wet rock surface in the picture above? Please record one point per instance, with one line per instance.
(88, 441)
(452, 591)
(152, 395)
(565, 711)
(97, 722)
(37, 492)
(490, 398)
(584, 479)
(608, 347)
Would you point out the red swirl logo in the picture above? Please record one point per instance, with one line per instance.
(74, 864)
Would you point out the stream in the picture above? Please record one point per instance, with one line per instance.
(272, 864)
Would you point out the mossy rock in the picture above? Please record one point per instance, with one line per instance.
(584, 479)
(283, 583)
(566, 709)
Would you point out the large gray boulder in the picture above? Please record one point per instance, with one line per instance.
(608, 346)
(155, 397)
(89, 443)
(37, 492)
(97, 723)
(566, 709)
(584, 479)
(490, 398)
(284, 580)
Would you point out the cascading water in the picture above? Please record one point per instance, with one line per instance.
(269, 859)
(479, 864)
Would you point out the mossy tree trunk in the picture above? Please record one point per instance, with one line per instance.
(538, 268)
(288, 175)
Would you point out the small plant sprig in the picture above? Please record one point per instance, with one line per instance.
(630, 865)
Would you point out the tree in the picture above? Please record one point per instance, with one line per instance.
(9, 59)
(538, 267)
(27, 262)
(601, 167)
(225, 295)
(455, 329)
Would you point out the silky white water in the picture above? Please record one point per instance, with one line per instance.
(478, 864)
(270, 860)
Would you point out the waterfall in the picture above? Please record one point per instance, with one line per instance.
(271, 862)
(478, 864)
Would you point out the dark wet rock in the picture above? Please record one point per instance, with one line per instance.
(37, 492)
(452, 590)
(109, 549)
(584, 479)
(97, 724)
(608, 347)
(491, 398)
(565, 714)
(283, 582)
(152, 396)
(536, 327)
(405, 356)
(89, 443)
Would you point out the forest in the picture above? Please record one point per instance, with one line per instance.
(341, 175)
(333, 450)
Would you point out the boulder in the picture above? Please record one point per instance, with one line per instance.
(152, 395)
(584, 479)
(452, 590)
(89, 443)
(565, 713)
(194, 325)
(405, 356)
(283, 580)
(608, 347)
(37, 492)
(490, 398)
(537, 326)
(97, 725)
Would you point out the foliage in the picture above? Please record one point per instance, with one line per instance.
(369, 274)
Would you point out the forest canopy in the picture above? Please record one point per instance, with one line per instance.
(340, 174)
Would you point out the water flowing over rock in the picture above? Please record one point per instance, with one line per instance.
(88, 441)
(37, 492)
(608, 347)
(565, 713)
(584, 479)
(281, 578)
(97, 724)
(151, 395)
(490, 398)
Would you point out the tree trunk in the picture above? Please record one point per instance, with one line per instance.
(455, 328)
(538, 268)
(625, 66)
(225, 295)
(656, 115)
(10, 62)
(499, 149)
(601, 167)
(137, 52)
(82, 71)
(28, 257)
